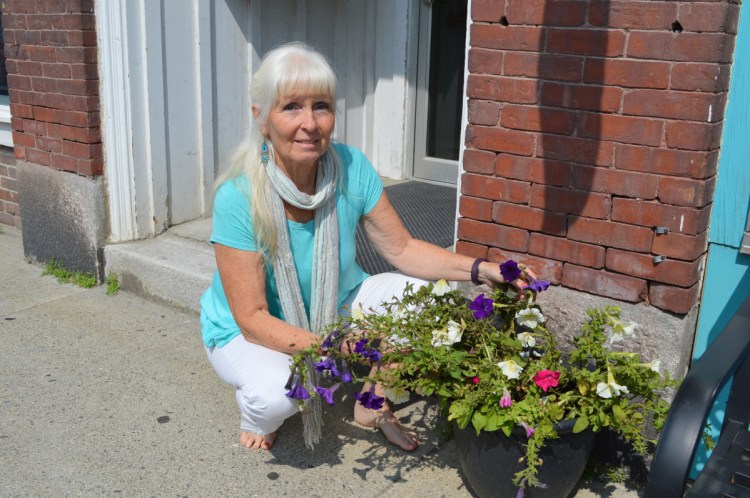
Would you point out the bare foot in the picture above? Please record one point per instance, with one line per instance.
(386, 421)
(257, 441)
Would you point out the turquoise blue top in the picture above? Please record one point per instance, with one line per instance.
(233, 227)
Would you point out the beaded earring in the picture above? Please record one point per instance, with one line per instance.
(264, 153)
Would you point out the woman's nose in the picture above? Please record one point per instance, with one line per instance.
(308, 119)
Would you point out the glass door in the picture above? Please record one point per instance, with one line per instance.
(439, 96)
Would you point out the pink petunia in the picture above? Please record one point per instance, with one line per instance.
(546, 379)
(529, 430)
(505, 401)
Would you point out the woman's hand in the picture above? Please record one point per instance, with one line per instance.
(490, 274)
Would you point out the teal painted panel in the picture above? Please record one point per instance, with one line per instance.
(727, 281)
(726, 287)
(732, 196)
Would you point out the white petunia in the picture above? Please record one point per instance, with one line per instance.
(441, 288)
(440, 337)
(655, 365)
(455, 331)
(397, 395)
(603, 390)
(610, 388)
(397, 340)
(357, 313)
(527, 340)
(450, 334)
(510, 369)
(617, 330)
(529, 317)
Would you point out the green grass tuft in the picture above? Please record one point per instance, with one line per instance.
(65, 276)
(113, 285)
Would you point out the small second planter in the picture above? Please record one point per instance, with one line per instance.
(490, 460)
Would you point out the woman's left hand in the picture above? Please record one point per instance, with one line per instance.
(490, 274)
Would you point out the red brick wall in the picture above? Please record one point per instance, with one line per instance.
(51, 56)
(590, 124)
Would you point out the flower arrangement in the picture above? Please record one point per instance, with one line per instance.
(493, 363)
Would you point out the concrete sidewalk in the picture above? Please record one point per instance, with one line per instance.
(113, 395)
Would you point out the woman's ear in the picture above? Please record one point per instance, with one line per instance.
(256, 115)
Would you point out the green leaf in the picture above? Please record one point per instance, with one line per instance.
(619, 413)
(581, 424)
(479, 421)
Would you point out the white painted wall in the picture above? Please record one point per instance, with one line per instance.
(175, 81)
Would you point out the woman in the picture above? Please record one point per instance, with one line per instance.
(285, 217)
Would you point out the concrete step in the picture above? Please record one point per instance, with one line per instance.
(174, 268)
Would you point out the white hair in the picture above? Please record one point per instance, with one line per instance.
(292, 67)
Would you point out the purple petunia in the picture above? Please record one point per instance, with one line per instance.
(327, 364)
(346, 375)
(370, 400)
(537, 285)
(327, 394)
(481, 306)
(298, 391)
(360, 347)
(510, 271)
(328, 341)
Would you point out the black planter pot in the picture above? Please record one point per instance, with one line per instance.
(490, 460)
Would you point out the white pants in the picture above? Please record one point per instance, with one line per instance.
(259, 374)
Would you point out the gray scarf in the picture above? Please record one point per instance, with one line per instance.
(325, 267)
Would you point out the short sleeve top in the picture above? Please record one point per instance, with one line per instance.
(232, 226)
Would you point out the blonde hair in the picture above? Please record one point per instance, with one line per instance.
(292, 67)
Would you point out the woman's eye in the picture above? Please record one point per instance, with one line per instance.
(291, 106)
(322, 106)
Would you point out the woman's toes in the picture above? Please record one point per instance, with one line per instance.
(256, 441)
(397, 434)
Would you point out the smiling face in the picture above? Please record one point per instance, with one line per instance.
(299, 126)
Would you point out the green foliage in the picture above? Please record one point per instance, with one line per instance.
(436, 346)
(64, 276)
(605, 472)
(113, 284)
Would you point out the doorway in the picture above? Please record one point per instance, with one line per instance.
(440, 91)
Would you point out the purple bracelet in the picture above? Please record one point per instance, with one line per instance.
(475, 270)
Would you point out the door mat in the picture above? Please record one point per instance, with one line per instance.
(429, 213)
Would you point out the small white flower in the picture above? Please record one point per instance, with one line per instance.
(510, 369)
(618, 330)
(397, 340)
(358, 313)
(397, 395)
(603, 390)
(450, 334)
(610, 388)
(455, 331)
(440, 337)
(655, 365)
(441, 288)
(527, 340)
(529, 317)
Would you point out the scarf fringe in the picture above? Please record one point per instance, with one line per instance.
(325, 270)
